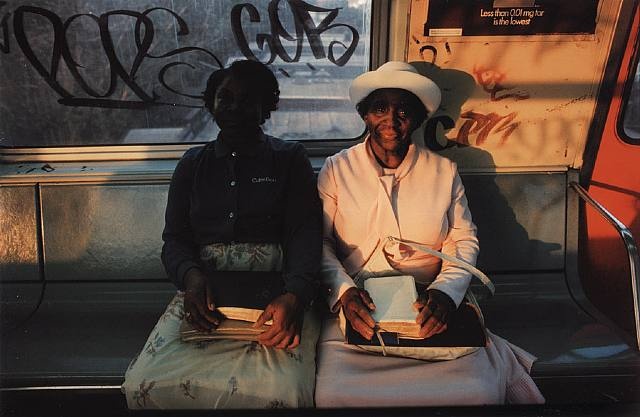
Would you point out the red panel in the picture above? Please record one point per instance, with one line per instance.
(616, 185)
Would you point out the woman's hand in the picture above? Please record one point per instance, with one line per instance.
(198, 302)
(357, 305)
(433, 309)
(287, 314)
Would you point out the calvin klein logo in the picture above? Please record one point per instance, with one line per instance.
(257, 180)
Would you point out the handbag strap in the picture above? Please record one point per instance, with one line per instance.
(459, 262)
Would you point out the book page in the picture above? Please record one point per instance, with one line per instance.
(240, 313)
(394, 297)
(228, 329)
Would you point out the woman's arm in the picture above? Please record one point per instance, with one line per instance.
(356, 303)
(179, 252)
(302, 230)
(302, 250)
(461, 242)
(334, 276)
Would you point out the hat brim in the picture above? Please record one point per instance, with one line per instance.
(425, 89)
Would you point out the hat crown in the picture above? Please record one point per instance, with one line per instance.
(397, 66)
(396, 74)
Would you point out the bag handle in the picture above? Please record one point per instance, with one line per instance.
(459, 262)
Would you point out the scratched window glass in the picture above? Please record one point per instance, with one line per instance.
(110, 72)
(631, 122)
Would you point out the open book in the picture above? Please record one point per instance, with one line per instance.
(394, 315)
(241, 296)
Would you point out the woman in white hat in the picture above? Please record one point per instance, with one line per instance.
(387, 186)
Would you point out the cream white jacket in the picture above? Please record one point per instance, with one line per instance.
(422, 201)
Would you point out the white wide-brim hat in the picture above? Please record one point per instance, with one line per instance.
(396, 74)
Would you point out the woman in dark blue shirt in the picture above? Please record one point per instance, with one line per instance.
(245, 193)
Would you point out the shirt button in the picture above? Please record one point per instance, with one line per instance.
(232, 183)
(231, 215)
(234, 154)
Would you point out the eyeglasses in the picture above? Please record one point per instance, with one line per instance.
(380, 107)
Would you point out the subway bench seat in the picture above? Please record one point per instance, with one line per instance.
(82, 305)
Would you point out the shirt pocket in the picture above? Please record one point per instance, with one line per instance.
(428, 227)
(264, 197)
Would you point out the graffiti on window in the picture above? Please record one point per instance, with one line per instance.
(304, 25)
(128, 70)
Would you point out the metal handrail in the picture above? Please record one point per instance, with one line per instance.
(630, 245)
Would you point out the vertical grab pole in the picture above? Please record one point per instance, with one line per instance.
(630, 245)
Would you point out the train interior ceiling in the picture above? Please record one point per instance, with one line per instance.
(99, 100)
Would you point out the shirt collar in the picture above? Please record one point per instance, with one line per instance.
(222, 149)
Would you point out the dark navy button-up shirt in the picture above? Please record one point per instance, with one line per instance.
(265, 194)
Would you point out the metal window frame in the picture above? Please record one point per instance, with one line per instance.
(634, 67)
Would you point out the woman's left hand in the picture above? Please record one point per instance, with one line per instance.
(433, 309)
(287, 314)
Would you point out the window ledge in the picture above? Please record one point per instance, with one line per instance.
(95, 153)
(83, 171)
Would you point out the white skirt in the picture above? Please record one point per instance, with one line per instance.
(171, 374)
(349, 377)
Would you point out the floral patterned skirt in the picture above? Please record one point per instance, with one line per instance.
(171, 374)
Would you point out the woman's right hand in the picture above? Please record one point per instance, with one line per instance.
(198, 302)
(357, 305)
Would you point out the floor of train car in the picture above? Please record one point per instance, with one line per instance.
(112, 403)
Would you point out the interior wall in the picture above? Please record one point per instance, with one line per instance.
(515, 102)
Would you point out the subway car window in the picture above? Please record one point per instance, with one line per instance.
(106, 72)
(631, 124)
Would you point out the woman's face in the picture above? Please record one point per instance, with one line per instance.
(390, 118)
(235, 106)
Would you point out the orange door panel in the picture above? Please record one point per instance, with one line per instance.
(615, 183)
